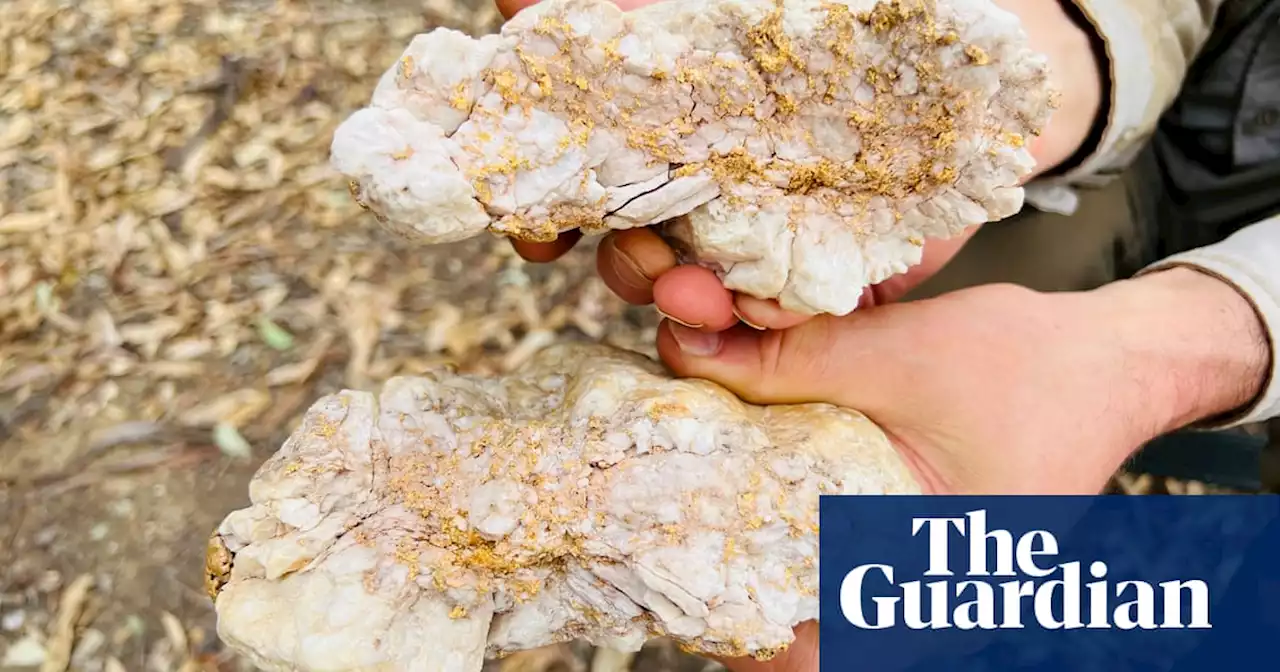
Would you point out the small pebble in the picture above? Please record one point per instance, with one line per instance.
(45, 537)
(13, 620)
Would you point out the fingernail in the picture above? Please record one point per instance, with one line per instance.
(694, 342)
(691, 326)
(645, 282)
(745, 321)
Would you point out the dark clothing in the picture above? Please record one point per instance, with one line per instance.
(1218, 146)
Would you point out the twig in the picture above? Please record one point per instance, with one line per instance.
(63, 481)
(231, 80)
(62, 637)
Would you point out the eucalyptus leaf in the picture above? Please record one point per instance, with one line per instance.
(231, 442)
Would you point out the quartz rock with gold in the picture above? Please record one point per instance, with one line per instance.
(450, 518)
(802, 149)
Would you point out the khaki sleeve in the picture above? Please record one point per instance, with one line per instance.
(1147, 45)
(1249, 260)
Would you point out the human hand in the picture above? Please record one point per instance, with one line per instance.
(1002, 390)
(641, 268)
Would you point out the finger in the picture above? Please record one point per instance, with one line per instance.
(695, 297)
(765, 313)
(860, 361)
(743, 360)
(508, 8)
(542, 253)
(629, 261)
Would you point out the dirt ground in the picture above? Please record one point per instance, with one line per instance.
(181, 275)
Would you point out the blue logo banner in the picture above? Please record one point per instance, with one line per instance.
(1114, 583)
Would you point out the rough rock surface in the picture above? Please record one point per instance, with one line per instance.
(589, 495)
(804, 148)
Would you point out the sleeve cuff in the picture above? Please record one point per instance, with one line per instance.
(1249, 261)
(1136, 87)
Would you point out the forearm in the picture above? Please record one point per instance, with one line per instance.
(1076, 73)
(1193, 346)
(1200, 330)
(1249, 263)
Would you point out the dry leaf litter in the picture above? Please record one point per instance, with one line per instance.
(181, 275)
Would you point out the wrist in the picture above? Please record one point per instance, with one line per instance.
(1076, 73)
(1193, 347)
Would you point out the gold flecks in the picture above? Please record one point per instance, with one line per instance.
(839, 20)
(324, 428)
(658, 409)
(406, 67)
(457, 612)
(686, 170)
(735, 166)
(550, 26)
(611, 53)
(565, 216)
(505, 83)
(686, 75)
(786, 104)
(882, 17)
(926, 72)
(403, 154)
(685, 127)
(353, 188)
(976, 54)
(525, 589)
(460, 100)
(217, 566)
(879, 80)
(1054, 103)
(823, 174)
(654, 141)
(537, 71)
(407, 554)
(771, 47)
(765, 655)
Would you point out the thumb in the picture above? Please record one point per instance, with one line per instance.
(855, 361)
(509, 8)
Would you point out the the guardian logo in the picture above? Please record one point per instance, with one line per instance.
(1061, 595)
